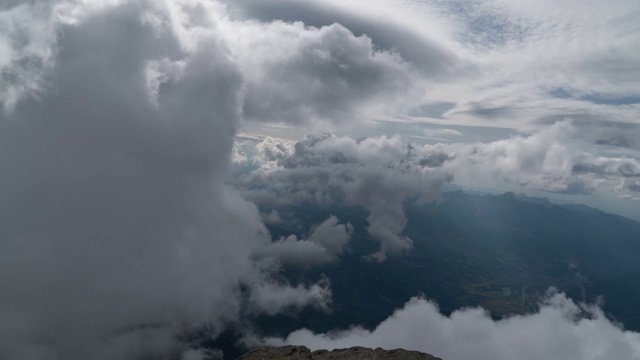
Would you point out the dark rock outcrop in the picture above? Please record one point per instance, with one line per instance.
(354, 353)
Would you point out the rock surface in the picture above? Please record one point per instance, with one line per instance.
(354, 353)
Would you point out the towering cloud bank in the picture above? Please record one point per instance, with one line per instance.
(116, 131)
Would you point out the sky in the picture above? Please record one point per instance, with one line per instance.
(139, 138)
(488, 72)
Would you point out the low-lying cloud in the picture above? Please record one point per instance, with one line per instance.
(560, 329)
(325, 243)
(117, 126)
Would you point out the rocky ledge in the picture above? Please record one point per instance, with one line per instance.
(354, 353)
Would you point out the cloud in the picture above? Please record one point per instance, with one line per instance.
(612, 166)
(633, 186)
(324, 244)
(499, 63)
(333, 236)
(272, 298)
(559, 330)
(376, 173)
(441, 132)
(546, 63)
(379, 172)
(118, 230)
(388, 25)
(272, 217)
(298, 74)
(541, 161)
(26, 50)
(610, 135)
(555, 159)
(117, 131)
(493, 63)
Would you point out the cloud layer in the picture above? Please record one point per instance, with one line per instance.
(325, 244)
(379, 173)
(559, 330)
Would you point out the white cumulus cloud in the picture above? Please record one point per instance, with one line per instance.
(559, 330)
